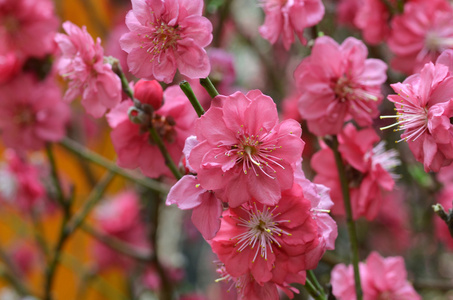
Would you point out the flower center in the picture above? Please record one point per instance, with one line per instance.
(162, 37)
(388, 159)
(435, 43)
(165, 127)
(409, 117)
(261, 230)
(254, 152)
(353, 94)
(24, 117)
(11, 24)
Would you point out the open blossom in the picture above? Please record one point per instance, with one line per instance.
(420, 34)
(338, 83)
(134, 146)
(368, 168)
(82, 64)
(268, 242)
(27, 27)
(165, 36)
(382, 278)
(244, 151)
(120, 217)
(32, 113)
(424, 107)
(286, 18)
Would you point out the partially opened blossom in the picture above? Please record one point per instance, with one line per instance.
(27, 27)
(31, 113)
(381, 278)
(187, 193)
(420, 34)
(369, 170)
(423, 110)
(165, 36)
(244, 151)
(338, 83)
(133, 144)
(82, 64)
(268, 242)
(119, 217)
(286, 18)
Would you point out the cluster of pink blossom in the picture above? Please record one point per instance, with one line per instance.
(424, 106)
(368, 168)
(276, 226)
(382, 278)
(416, 32)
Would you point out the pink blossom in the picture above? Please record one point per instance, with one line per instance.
(321, 204)
(382, 278)
(20, 184)
(32, 113)
(420, 34)
(423, 109)
(347, 11)
(82, 64)
(10, 65)
(287, 18)
(27, 27)
(24, 256)
(368, 168)
(243, 151)
(187, 193)
(165, 36)
(269, 242)
(119, 217)
(337, 83)
(391, 223)
(173, 121)
(372, 19)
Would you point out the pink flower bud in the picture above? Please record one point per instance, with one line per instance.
(149, 92)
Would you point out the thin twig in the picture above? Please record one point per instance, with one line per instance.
(118, 245)
(209, 87)
(80, 150)
(186, 88)
(333, 144)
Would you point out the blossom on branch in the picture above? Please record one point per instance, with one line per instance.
(165, 36)
(338, 83)
(82, 64)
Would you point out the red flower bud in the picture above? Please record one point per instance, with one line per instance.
(149, 92)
